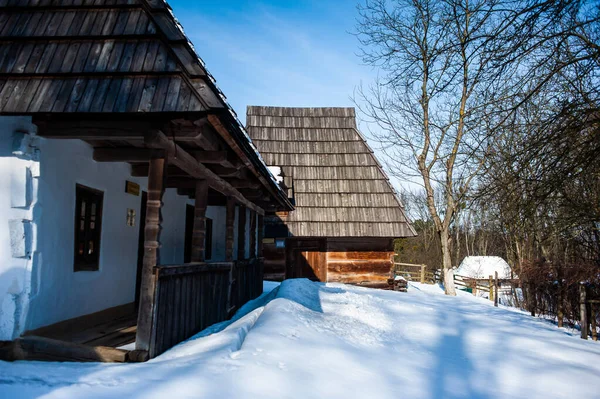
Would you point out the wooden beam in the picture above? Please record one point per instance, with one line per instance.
(228, 172)
(229, 220)
(244, 183)
(199, 229)
(126, 154)
(241, 253)
(256, 196)
(222, 158)
(142, 171)
(47, 349)
(151, 254)
(198, 132)
(93, 130)
(183, 160)
(252, 235)
(217, 157)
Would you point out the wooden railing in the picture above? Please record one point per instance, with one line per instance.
(414, 272)
(193, 296)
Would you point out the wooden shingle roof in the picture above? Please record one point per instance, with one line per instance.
(108, 62)
(98, 56)
(339, 187)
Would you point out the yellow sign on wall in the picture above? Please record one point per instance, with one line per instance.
(132, 188)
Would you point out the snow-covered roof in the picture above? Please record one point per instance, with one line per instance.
(483, 267)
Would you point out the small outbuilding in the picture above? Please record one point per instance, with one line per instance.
(482, 267)
(347, 212)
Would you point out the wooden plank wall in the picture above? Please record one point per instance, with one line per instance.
(364, 261)
(191, 297)
(360, 267)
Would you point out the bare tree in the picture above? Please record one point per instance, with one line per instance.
(438, 63)
(457, 77)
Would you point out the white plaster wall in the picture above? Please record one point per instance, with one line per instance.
(17, 201)
(63, 293)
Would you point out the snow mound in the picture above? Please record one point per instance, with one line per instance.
(483, 267)
(315, 340)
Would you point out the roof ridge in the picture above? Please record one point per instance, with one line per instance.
(301, 112)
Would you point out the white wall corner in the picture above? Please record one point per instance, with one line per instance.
(20, 237)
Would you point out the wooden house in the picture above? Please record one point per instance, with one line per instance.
(131, 198)
(347, 212)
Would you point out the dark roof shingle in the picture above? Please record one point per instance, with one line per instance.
(339, 187)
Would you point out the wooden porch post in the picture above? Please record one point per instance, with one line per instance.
(261, 227)
(156, 180)
(229, 220)
(241, 233)
(252, 234)
(199, 231)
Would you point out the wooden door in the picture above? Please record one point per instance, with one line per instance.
(306, 258)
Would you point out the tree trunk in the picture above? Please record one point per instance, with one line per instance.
(447, 263)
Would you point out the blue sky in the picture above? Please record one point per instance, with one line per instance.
(283, 53)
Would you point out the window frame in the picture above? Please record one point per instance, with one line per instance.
(93, 196)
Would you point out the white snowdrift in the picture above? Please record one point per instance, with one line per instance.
(311, 340)
(483, 267)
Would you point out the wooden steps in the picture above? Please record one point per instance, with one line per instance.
(90, 338)
(47, 349)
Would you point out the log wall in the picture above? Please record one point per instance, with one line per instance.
(353, 261)
(360, 267)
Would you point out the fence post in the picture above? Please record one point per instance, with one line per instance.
(496, 289)
(532, 298)
(583, 313)
(491, 288)
(422, 274)
(559, 306)
(594, 315)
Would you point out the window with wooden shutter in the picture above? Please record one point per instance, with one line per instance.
(88, 224)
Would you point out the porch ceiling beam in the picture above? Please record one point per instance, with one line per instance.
(183, 160)
(228, 172)
(199, 132)
(222, 158)
(126, 154)
(142, 171)
(244, 183)
(93, 130)
(190, 182)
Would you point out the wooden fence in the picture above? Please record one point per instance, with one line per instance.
(414, 272)
(193, 296)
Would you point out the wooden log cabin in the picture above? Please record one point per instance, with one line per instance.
(347, 212)
(131, 197)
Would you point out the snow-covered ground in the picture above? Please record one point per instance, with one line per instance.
(309, 340)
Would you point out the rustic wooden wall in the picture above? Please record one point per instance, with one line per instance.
(365, 268)
(365, 261)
